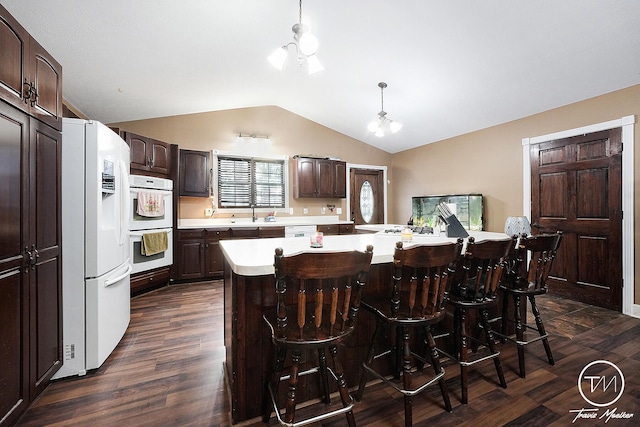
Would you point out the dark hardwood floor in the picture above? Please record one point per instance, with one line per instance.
(168, 371)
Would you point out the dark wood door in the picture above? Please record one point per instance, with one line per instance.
(367, 196)
(195, 173)
(340, 188)
(159, 158)
(191, 261)
(305, 177)
(15, 48)
(138, 149)
(45, 273)
(576, 188)
(46, 77)
(14, 295)
(325, 178)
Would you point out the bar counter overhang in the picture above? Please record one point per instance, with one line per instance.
(249, 290)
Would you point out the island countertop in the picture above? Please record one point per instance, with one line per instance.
(254, 257)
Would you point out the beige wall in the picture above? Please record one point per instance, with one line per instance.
(489, 161)
(290, 134)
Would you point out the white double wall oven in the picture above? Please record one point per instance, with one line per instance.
(139, 225)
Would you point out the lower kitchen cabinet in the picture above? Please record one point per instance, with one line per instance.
(332, 229)
(198, 253)
(149, 280)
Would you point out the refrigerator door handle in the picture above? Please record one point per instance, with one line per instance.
(124, 203)
(115, 280)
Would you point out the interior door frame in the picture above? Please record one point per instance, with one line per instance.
(627, 124)
(385, 184)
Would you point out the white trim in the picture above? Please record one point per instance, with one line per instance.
(385, 185)
(636, 311)
(627, 125)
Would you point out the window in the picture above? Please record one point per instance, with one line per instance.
(247, 181)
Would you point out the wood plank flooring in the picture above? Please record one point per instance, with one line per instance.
(168, 371)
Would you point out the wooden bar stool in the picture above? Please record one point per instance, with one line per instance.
(475, 288)
(414, 304)
(318, 299)
(526, 281)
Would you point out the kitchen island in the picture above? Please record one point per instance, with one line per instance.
(249, 291)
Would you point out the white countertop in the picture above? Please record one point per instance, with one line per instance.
(281, 221)
(254, 257)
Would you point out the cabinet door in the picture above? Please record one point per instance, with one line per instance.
(191, 260)
(46, 77)
(159, 158)
(46, 270)
(305, 177)
(195, 173)
(340, 189)
(15, 48)
(214, 258)
(14, 295)
(138, 150)
(325, 178)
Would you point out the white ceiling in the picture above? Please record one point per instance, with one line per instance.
(451, 67)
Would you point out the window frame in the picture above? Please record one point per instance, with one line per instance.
(267, 158)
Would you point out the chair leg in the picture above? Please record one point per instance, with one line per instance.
(519, 334)
(492, 347)
(293, 385)
(273, 383)
(505, 314)
(406, 375)
(324, 378)
(463, 356)
(435, 362)
(370, 355)
(541, 330)
(342, 385)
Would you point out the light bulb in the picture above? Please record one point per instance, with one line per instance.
(308, 44)
(394, 126)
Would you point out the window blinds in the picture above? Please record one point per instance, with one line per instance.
(243, 182)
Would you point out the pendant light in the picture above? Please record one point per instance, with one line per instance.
(382, 125)
(306, 45)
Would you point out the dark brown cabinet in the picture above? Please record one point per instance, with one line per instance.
(319, 178)
(148, 156)
(148, 280)
(195, 173)
(330, 229)
(30, 263)
(198, 253)
(30, 78)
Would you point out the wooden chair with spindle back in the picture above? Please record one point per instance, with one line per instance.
(526, 280)
(421, 276)
(328, 288)
(477, 282)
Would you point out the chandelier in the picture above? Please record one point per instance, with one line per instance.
(306, 45)
(382, 125)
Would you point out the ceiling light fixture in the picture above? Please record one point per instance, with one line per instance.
(382, 125)
(306, 45)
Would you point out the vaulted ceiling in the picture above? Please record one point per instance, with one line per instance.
(451, 67)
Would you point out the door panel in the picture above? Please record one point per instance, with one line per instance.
(576, 188)
(357, 179)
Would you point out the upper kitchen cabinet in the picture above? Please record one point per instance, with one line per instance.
(319, 178)
(148, 156)
(195, 173)
(30, 78)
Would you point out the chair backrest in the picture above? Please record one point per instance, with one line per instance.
(312, 274)
(541, 250)
(429, 269)
(482, 268)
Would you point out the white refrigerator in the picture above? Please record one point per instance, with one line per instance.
(95, 244)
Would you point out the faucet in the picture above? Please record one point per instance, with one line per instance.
(253, 213)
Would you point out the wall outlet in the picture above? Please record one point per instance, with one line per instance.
(290, 211)
(323, 210)
(339, 211)
(305, 211)
(208, 212)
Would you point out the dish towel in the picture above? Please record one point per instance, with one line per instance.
(150, 204)
(154, 243)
